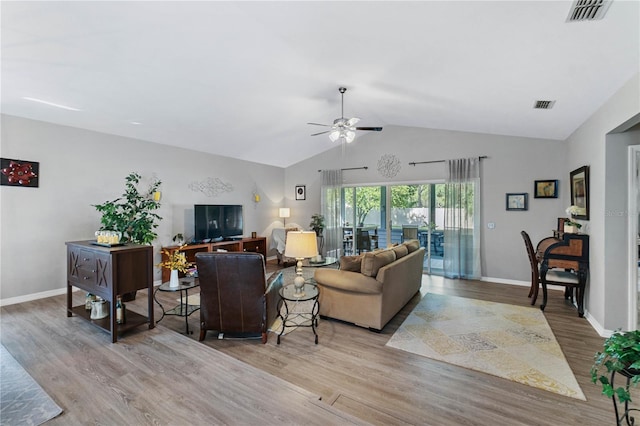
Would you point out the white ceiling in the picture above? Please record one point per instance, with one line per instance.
(242, 79)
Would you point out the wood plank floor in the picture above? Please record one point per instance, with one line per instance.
(172, 379)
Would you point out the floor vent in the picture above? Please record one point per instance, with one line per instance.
(544, 104)
(588, 10)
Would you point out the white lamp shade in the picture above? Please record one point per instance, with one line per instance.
(301, 245)
(285, 212)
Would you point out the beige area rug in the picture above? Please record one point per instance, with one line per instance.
(508, 341)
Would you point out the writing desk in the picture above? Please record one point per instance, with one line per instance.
(569, 252)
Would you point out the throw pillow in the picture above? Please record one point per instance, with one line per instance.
(412, 245)
(350, 263)
(401, 251)
(373, 261)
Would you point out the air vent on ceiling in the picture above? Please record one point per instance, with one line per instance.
(588, 10)
(544, 104)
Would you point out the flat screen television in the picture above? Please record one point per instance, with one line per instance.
(217, 222)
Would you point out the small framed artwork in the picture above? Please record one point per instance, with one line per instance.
(517, 201)
(579, 179)
(19, 173)
(545, 189)
(301, 192)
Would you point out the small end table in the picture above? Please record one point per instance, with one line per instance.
(184, 309)
(288, 300)
(326, 261)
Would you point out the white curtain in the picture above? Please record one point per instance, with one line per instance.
(330, 205)
(462, 219)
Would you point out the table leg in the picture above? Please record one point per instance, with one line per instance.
(282, 302)
(159, 304)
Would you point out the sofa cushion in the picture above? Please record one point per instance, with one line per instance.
(401, 251)
(412, 245)
(373, 261)
(350, 263)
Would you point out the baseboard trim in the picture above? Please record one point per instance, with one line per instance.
(45, 294)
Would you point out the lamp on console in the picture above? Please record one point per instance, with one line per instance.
(285, 212)
(300, 245)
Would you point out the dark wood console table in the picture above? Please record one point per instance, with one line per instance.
(256, 245)
(569, 253)
(108, 272)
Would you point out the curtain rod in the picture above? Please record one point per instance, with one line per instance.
(482, 157)
(352, 168)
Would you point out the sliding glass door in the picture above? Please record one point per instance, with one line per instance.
(416, 211)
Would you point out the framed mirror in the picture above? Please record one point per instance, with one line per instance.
(579, 181)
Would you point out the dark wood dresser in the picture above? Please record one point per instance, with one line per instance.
(109, 272)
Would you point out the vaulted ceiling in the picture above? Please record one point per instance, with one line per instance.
(242, 79)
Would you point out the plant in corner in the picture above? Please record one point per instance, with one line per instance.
(317, 223)
(621, 353)
(132, 214)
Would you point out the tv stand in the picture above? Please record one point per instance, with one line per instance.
(256, 245)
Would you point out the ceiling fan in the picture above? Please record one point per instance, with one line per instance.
(343, 129)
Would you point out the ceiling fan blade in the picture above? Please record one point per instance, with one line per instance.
(375, 129)
(318, 124)
(321, 133)
(352, 121)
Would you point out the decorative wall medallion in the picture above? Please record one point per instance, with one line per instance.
(211, 187)
(19, 172)
(388, 165)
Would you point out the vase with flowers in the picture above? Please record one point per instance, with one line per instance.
(571, 226)
(175, 261)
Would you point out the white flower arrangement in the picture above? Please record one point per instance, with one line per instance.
(572, 211)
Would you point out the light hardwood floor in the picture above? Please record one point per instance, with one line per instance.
(161, 377)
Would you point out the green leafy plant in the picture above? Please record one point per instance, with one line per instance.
(621, 353)
(317, 223)
(132, 214)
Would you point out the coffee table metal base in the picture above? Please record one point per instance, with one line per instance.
(184, 309)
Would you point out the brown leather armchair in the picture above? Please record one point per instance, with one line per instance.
(234, 295)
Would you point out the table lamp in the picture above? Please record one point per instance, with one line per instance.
(300, 245)
(285, 212)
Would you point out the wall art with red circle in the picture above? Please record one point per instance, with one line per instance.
(19, 173)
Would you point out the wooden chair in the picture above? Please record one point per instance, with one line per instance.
(535, 268)
(409, 232)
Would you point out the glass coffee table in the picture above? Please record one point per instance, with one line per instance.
(184, 309)
(290, 304)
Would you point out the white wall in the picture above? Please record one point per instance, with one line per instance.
(513, 164)
(79, 168)
(607, 295)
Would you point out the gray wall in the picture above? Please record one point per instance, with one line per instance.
(616, 259)
(606, 294)
(512, 166)
(79, 168)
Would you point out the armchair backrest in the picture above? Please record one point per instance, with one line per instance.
(232, 292)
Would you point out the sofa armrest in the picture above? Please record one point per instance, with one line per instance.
(347, 281)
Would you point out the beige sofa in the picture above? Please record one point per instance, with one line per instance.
(370, 289)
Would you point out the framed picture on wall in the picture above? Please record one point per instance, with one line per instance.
(19, 173)
(301, 192)
(579, 179)
(517, 201)
(545, 189)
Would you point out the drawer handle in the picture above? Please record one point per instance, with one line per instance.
(85, 259)
(85, 278)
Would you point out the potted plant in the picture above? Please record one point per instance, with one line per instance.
(570, 226)
(621, 354)
(317, 223)
(175, 261)
(132, 214)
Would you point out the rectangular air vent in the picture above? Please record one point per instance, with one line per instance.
(543, 104)
(588, 10)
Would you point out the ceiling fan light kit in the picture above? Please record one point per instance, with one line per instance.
(343, 130)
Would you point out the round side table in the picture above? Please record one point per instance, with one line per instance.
(184, 309)
(294, 318)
